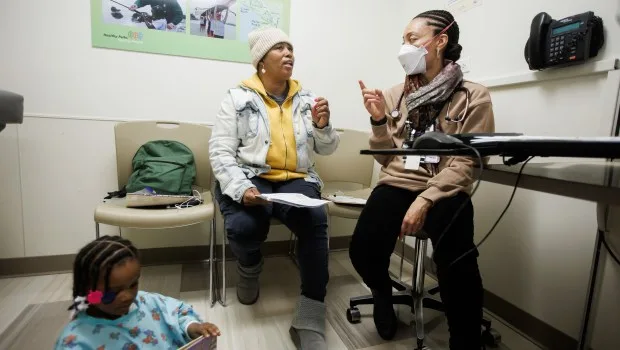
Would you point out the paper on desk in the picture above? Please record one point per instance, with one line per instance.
(491, 139)
(348, 200)
(293, 199)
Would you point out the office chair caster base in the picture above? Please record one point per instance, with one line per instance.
(421, 346)
(491, 338)
(353, 315)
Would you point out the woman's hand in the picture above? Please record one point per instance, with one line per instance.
(415, 217)
(320, 113)
(374, 102)
(206, 329)
(250, 198)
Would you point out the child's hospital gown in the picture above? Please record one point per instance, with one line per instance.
(153, 322)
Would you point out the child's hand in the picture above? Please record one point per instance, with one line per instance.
(206, 329)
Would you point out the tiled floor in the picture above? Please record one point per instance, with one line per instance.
(39, 303)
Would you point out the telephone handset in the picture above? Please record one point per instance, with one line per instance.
(536, 44)
(568, 41)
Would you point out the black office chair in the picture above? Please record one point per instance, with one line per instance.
(11, 108)
(418, 298)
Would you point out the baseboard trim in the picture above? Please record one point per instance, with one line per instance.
(44, 265)
(32, 266)
(537, 331)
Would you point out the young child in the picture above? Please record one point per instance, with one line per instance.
(110, 313)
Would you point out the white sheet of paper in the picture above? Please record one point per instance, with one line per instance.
(340, 199)
(293, 199)
(412, 162)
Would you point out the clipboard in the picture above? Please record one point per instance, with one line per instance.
(201, 343)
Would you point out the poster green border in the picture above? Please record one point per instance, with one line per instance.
(137, 39)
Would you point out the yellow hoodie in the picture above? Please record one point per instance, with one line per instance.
(282, 153)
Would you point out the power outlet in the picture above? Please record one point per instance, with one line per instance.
(465, 64)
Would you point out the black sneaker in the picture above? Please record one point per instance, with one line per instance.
(384, 316)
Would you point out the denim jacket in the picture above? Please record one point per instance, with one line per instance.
(241, 138)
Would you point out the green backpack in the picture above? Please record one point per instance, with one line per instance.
(163, 167)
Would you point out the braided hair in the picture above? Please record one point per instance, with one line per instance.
(99, 257)
(440, 19)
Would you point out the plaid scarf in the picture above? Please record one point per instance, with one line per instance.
(425, 99)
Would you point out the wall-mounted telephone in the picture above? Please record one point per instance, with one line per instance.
(568, 41)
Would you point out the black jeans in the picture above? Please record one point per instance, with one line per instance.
(460, 286)
(247, 229)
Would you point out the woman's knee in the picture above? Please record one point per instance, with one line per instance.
(358, 250)
(307, 222)
(319, 220)
(242, 226)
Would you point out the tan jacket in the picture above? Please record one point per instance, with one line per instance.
(452, 174)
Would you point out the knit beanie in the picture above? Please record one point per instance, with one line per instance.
(262, 40)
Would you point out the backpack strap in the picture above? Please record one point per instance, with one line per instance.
(122, 193)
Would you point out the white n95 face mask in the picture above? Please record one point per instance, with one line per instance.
(412, 58)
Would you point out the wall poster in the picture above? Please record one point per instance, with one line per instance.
(212, 29)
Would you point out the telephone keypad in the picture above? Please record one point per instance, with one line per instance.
(559, 46)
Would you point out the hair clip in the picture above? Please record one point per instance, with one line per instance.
(94, 297)
(108, 297)
(79, 304)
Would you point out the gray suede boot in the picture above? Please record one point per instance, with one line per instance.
(308, 326)
(247, 287)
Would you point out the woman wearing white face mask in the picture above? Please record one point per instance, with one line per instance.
(413, 197)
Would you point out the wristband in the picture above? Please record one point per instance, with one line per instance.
(378, 123)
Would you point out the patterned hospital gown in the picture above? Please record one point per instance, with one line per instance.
(153, 322)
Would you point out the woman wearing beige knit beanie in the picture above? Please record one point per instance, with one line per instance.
(264, 139)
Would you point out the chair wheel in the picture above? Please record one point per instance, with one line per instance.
(354, 315)
(491, 338)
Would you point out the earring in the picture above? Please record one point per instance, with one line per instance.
(263, 70)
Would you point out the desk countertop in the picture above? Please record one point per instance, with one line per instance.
(598, 182)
